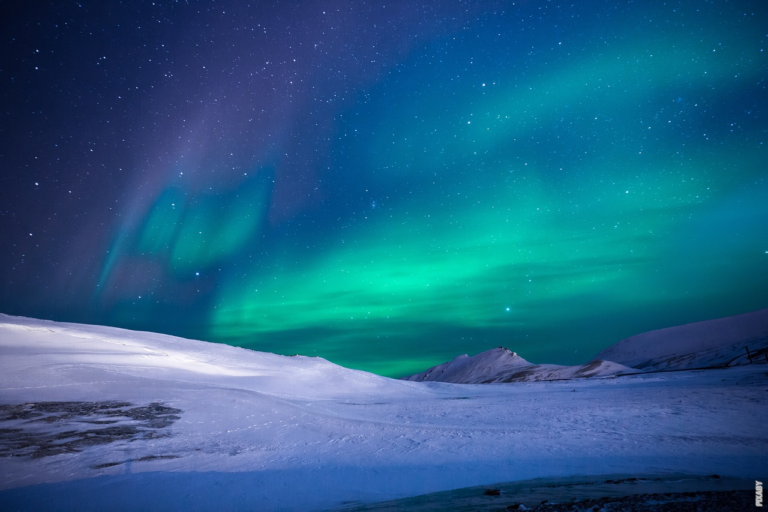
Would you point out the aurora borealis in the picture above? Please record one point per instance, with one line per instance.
(386, 185)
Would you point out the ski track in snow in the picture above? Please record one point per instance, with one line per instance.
(297, 432)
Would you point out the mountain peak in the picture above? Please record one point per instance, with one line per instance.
(500, 364)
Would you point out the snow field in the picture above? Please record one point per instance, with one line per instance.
(280, 432)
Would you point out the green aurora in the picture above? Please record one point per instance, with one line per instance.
(551, 183)
(558, 205)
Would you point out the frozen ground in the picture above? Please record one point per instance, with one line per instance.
(619, 493)
(98, 418)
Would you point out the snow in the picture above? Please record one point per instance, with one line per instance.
(697, 345)
(502, 365)
(269, 432)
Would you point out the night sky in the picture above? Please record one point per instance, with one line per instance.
(385, 184)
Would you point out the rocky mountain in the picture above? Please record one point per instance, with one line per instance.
(502, 365)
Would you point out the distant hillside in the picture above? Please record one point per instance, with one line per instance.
(717, 342)
(720, 342)
(503, 365)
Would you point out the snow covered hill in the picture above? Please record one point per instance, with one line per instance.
(717, 342)
(502, 365)
(96, 418)
(720, 342)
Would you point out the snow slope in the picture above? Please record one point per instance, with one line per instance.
(96, 418)
(502, 365)
(717, 342)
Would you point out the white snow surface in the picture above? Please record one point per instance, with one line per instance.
(259, 431)
(500, 365)
(718, 342)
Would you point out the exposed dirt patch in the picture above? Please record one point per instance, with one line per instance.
(148, 458)
(43, 429)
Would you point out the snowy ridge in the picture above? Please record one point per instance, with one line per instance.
(58, 346)
(502, 365)
(718, 342)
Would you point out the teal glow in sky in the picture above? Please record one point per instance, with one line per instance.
(391, 187)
